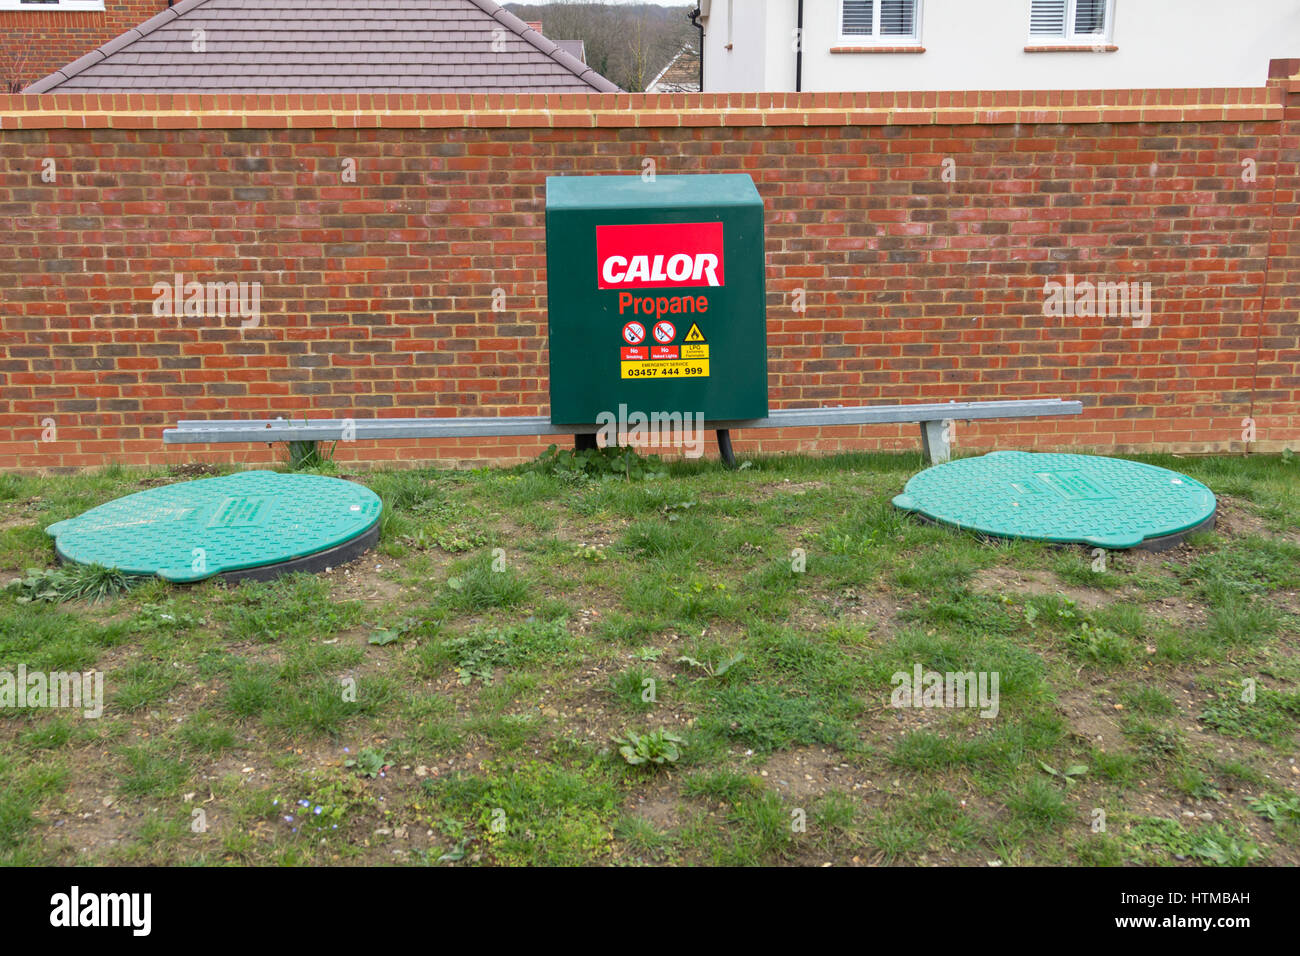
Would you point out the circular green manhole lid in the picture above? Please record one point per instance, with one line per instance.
(1084, 499)
(256, 523)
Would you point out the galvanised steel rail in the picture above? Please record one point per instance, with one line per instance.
(932, 418)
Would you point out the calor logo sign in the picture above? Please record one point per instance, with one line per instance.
(659, 255)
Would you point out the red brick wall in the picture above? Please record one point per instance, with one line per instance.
(35, 43)
(1276, 396)
(377, 295)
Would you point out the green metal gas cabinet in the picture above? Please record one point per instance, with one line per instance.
(656, 296)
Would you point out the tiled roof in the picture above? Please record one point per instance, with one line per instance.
(681, 75)
(312, 46)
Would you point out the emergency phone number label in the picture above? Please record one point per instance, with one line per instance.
(681, 368)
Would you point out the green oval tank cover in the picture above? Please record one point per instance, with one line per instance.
(192, 530)
(1085, 499)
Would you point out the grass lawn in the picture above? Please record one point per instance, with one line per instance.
(462, 695)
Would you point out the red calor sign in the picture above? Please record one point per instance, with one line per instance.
(659, 256)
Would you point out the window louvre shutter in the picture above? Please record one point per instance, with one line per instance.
(858, 15)
(1047, 18)
(897, 18)
(1090, 16)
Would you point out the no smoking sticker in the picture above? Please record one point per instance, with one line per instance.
(665, 332)
(634, 333)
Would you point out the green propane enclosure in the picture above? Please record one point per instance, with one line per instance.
(656, 296)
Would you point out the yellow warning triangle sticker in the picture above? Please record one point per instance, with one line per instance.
(695, 335)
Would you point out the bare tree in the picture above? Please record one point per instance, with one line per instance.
(11, 72)
(627, 43)
(640, 70)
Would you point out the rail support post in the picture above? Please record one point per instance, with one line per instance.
(935, 448)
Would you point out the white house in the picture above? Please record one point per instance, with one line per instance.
(750, 45)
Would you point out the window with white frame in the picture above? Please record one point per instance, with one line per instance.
(880, 21)
(1070, 20)
(51, 4)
